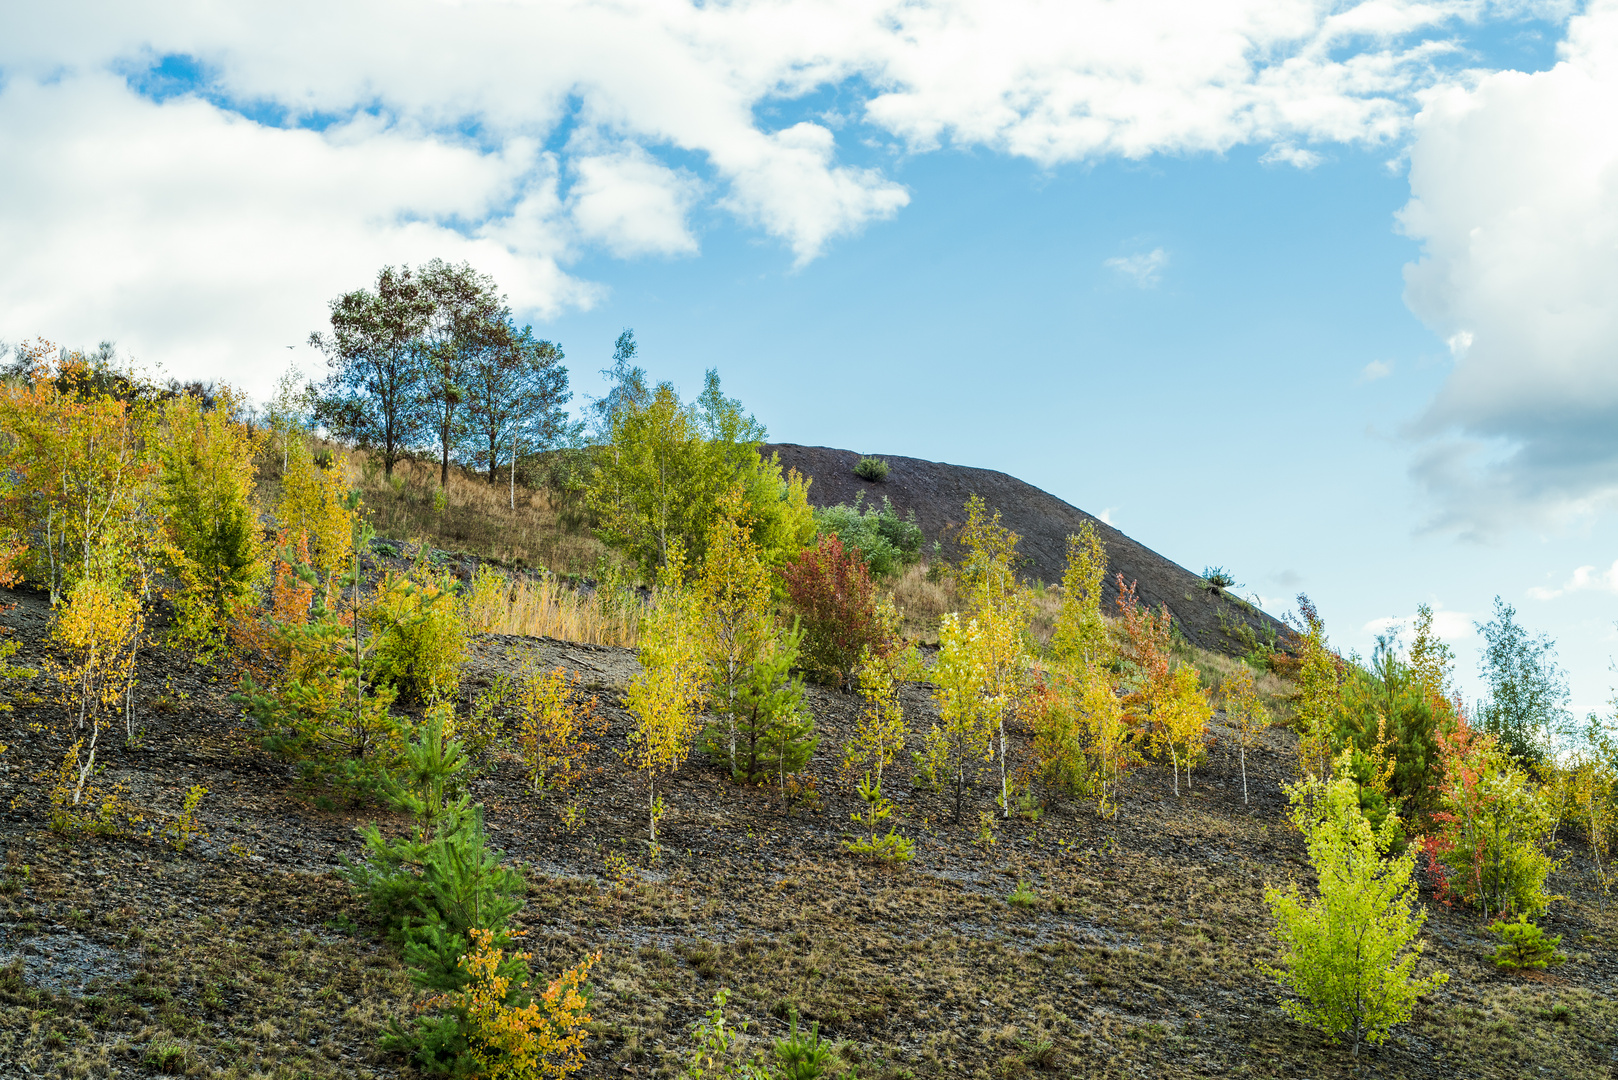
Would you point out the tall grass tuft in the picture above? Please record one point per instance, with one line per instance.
(546, 607)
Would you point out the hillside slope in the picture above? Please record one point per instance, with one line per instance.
(937, 492)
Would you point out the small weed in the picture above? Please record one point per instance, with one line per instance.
(167, 1058)
(1023, 896)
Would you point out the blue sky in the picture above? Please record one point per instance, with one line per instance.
(1317, 293)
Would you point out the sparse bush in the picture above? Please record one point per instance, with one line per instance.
(79, 807)
(1218, 579)
(716, 1053)
(872, 469)
(1245, 713)
(1524, 945)
(185, 827)
(551, 728)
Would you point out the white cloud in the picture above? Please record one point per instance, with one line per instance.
(1106, 516)
(1376, 369)
(1287, 154)
(1584, 579)
(1144, 269)
(1514, 186)
(1447, 625)
(441, 112)
(633, 204)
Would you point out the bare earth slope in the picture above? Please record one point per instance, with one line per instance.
(937, 492)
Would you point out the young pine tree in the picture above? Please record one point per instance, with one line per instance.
(775, 733)
(1351, 953)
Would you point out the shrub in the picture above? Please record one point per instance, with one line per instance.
(1351, 953)
(99, 631)
(421, 634)
(78, 806)
(832, 591)
(1524, 945)
(185, 827)
(543, 1037)
(1217, 578)
(872, 469)
(1493, 824)
(887, 542)
(802, 1057)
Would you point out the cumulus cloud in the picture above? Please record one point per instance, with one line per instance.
(304, 143)
(1584, 579)
(1376, 369)
(1144, 269)
(1514, 185)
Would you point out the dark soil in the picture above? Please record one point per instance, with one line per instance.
(937, 493)
(245, 956)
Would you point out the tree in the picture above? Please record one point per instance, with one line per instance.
(1080, 636)
(290, 412)
(1320, 691)
(78, 473)
(664, 698)
(552, 728)
(734, 611)
(1493, 827)
(1000, 608)
(665, 466)
(1182, 721)
(515, 387)
(834, 596)
(1351, 953)
(207, 483)
(466, 317)
(968, 721)
(1244, 712)
(372, 394)
(1528, 694)
(628, 389)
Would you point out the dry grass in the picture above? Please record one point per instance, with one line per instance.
(546, 607)
(922, 601)
(476, 517)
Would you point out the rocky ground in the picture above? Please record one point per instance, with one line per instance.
(245, 956)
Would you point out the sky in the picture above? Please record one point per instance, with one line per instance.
(1325, 293)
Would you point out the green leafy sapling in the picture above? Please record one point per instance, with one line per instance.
(1350, 954)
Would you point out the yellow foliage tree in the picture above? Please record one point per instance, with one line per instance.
(1182, 716)
(552, 728)
(98, 630)
(881, 732)
(967, 720)
(665, 697)
(208, 471)
(543, 1040)
(315, 508)
(1000, 608)
(1080, 637)
(1245, 713)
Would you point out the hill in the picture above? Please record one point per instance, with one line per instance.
(936, 493)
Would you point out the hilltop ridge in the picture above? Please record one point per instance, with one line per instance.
(937, 491)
